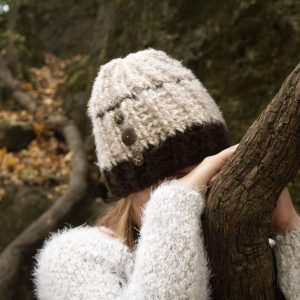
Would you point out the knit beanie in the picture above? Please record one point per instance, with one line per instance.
(151, 117)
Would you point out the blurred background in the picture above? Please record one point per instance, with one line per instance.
(50, 54)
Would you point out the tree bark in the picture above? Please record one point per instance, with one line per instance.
(240, 203)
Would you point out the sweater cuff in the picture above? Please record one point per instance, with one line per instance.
(181, 188)
(172, 198)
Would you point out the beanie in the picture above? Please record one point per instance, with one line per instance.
(150, 118)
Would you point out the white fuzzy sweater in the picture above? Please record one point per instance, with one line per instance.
(170, 261)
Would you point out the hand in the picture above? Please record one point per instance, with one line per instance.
(284, 216)
(207, 170)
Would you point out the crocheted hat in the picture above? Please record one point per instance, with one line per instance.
(151, 117)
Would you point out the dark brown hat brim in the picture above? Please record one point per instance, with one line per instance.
(176, 152)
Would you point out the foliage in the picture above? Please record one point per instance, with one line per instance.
(46, 160)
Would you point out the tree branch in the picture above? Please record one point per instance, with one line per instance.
(14, 86)
(240, 204)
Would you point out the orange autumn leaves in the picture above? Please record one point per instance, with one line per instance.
(42, 162)
(46, 160)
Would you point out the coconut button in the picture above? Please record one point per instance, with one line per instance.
(128, 136)
(138, 158)
(119, 117)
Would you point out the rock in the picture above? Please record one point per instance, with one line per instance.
(15, 136)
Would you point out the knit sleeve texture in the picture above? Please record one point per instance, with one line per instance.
(287, 253)
(170, 261)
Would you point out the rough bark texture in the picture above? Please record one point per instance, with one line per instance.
(12, 256)
(239, 206)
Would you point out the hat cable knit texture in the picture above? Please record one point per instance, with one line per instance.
(151, 117)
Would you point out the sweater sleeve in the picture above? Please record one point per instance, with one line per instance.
(287, 254)
(170, 261)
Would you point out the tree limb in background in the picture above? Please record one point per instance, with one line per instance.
(244, 194)
(11, 257)
(14, 86)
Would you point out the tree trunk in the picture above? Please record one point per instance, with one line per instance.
(240, 204)
(11, 52)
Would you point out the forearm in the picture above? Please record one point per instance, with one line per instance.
(287, 253)
(170, 261)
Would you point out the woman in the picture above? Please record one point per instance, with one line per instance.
(160, 141)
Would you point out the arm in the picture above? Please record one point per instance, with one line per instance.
(169, 263)
(287, 253)
(80, 263)
(286, 223)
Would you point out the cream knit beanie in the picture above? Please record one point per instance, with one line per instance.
(151, 117)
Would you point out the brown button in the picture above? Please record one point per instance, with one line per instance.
(119, 117)
(138, 158)
(128, 136)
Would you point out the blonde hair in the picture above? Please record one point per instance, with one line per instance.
(119, 218)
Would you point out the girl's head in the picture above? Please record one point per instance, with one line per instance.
(151, 118)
